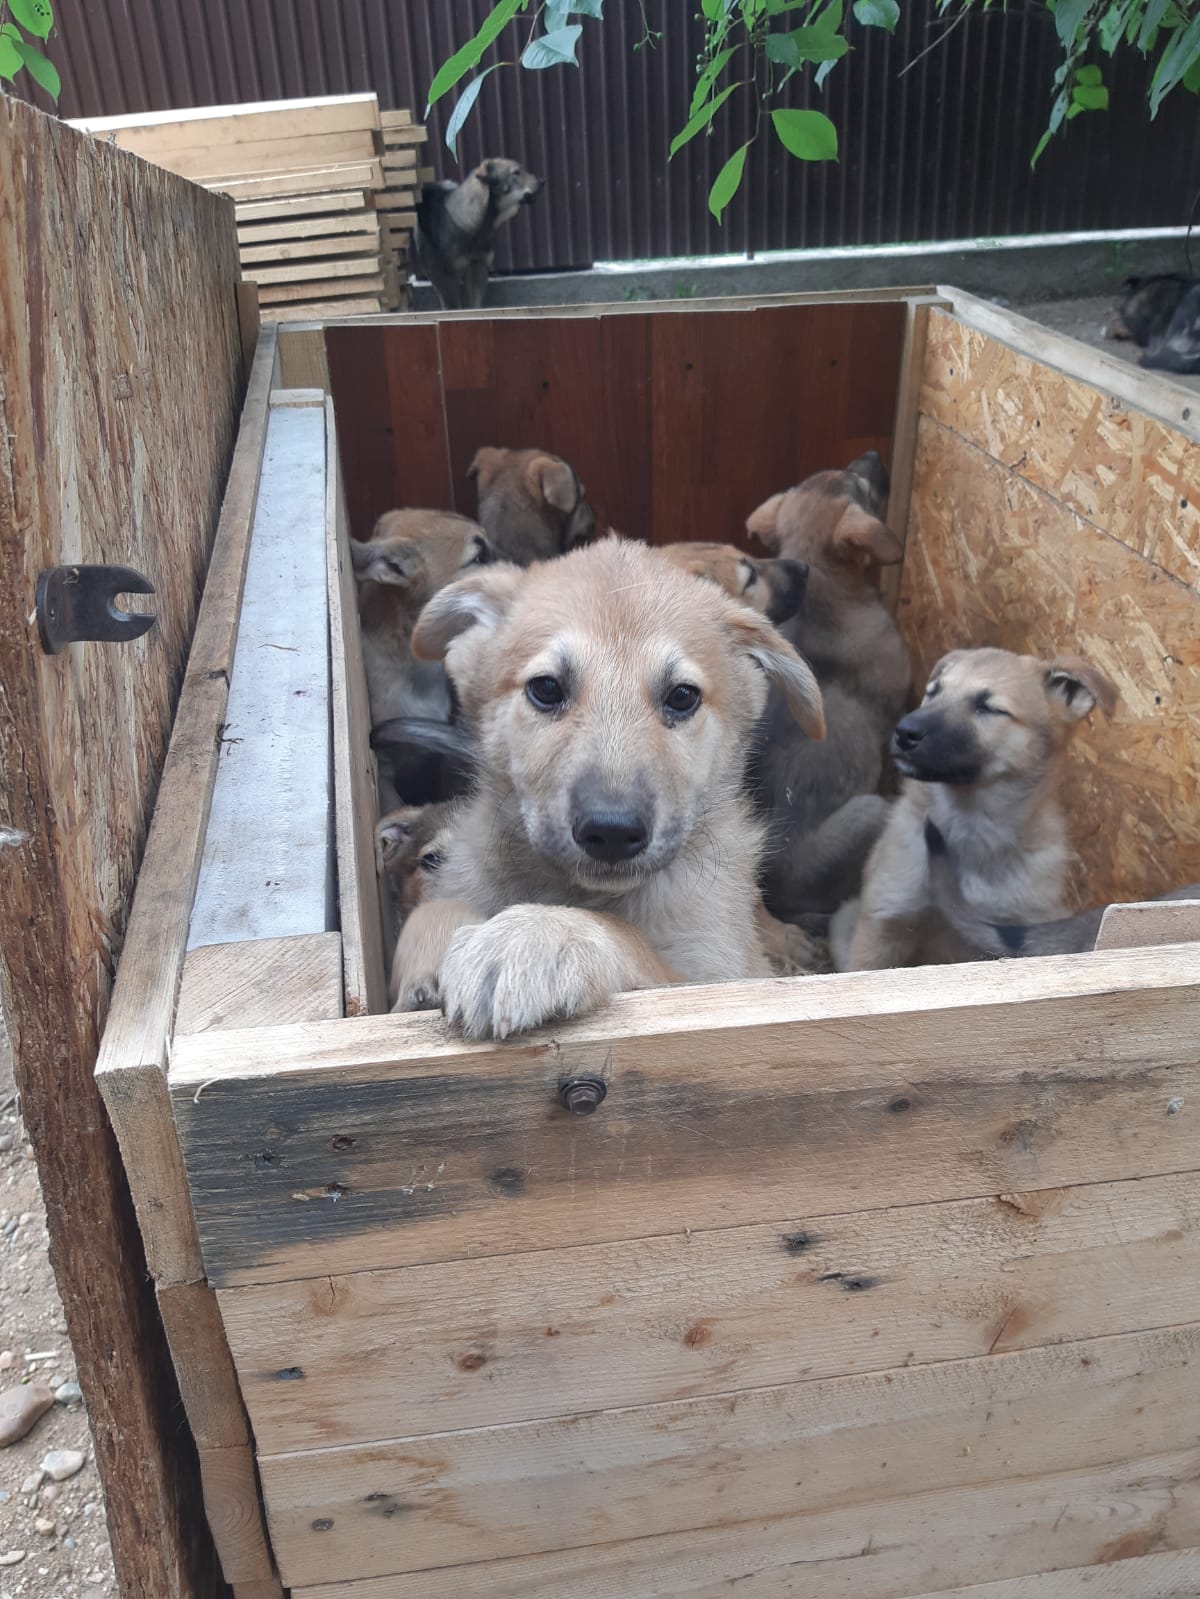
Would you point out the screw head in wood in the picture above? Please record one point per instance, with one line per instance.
(582, 1095)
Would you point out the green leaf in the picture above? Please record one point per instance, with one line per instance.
(702, 118)
(727, 182)
(1112, 26)
(557, 12)
(877, 14)
(552, 49)
(1176, 59)
(462, 109)
(713, 10)
(43, 72)
(807, 44)
(470, 55)
(808, 135)
(10, 61)
(1090, 97)
(588, 8)
(823, 72)
(706, 80)
(1191, 78)
(1088, 75)
(1155, 11)
(1068, 14)
(35, 16)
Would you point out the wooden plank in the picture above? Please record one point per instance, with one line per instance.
(355, 806)
(360, 175)
(252, 255)
(993, 560)
(836, 1093)
(233, 1509)
(208, 1380)
(301, 205)
(213, 164)
(106, 457)
(131, 1065)
(274, 294)
(900, 1545)
(364, 305)
(904, 437)
(1157, 922)
(657, 1319)
(337, 225)
(395, 200)
(395, 119)
(267, 866)
(319, 113)
(268, 1588)
(400, 161)
(326, 271)
(261, 984)
(302, 358)
(747, 1457)
(403, 138)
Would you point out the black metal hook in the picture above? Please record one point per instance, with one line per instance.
(78, 602)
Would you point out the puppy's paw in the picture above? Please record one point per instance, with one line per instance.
(528, 965)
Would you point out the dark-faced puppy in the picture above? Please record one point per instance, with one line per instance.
(982, 758)
(821, 801)
(457, 225)
(1147, 306)
(773, 587)
(531, 504)
(1178, 350)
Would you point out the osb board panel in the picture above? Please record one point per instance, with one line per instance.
(403, 1145)
(678, 422)
(993, 560)
(114, 275)
(788, 1452)
(559, 1331)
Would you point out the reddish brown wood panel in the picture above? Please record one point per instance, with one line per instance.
(678, 422)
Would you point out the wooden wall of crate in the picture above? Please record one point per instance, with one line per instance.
(1049, 515)
(679, 422)
(109, 269)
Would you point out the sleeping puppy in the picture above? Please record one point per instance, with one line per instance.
(1147, 306)
(774, 587)
(531, 504)
(982, 758)
(820, 799)
(608, 844)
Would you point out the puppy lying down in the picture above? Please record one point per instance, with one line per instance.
(608, 844)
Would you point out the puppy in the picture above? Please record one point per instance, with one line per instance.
(820, 799)
(982, 757)
(457, 225)
(774, 587)
(1178, 350)
(608, 844)
(1147, 306)
(1069, 935)
(531, 504)
(407, 850)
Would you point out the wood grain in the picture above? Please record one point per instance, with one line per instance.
(893, 1550)
(231, 1504)
(131, 1067)
(806, 1097)
(561, 1331)
(261, 984)
(993, 560)
(508, 1492)
(105, 456)
(354, 792)
(1156, 922)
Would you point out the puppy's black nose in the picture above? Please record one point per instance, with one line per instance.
(908, 734)
(611, 835)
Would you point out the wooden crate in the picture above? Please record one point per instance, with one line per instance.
(883, 1285)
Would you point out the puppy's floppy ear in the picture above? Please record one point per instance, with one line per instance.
(858, 533)
(763, 524)
(484, 466)
(1077, 688)
(551, 480)
(754, 636)
(394, 832)
(394, 561)
(481, 600)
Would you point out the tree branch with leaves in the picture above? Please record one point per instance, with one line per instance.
(22, 21)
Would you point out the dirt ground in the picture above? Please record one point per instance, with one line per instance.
(57, 1528)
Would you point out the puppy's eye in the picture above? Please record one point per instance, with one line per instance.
(750, 578)
(985, 707)
(431, 860)
(545, 693)
(682, 700)
(481, 555)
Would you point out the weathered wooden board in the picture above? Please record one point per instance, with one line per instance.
(215, 164)
(339, 225)
(150, 133)
(993, 559)
(267, 869)
(726, 1105)
(365, 305)
(301, 205)
(786, 1452)
(1157, 922)
(108, 266)
(261, 984)
(487, 1342)
(305, 250)
(305, 271)
(275, 294)
(361, 175)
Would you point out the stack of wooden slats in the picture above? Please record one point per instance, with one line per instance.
(307, 177)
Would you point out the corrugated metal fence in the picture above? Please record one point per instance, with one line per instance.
(939, 151)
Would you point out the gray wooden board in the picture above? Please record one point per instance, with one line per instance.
(267, 870)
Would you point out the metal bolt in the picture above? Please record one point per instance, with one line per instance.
(582, 1095)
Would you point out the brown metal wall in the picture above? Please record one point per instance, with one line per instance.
(941, 152)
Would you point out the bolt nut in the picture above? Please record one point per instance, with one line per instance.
(582, 1095)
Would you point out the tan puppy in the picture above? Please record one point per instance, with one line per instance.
(982, 758)
(407, 852)
(821, 800)
(774, 587)
(531, 504)
(608, 844)
(408, 558)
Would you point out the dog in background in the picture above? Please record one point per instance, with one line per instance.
(821, 801)
(1162, 315)
(530, 503)
(457, 225)
(982, 758)
(774, 587)
(608, 844)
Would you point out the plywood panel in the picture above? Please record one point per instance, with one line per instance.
(726, 1104)
(991, 559)
(653, 1319)
(738, 1458)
